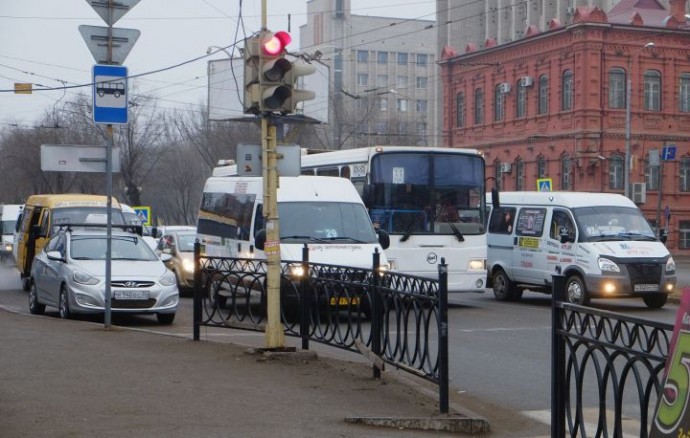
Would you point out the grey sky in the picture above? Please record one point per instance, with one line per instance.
(40, 43)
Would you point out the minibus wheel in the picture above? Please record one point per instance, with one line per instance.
(504, 288)
(575, 291)
(655, 301)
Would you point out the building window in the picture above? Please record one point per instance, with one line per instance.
(422, 81)
(543, 94)
(401, 105)
(498, 175)
(381, 80)
(520, 101)
(566, 172)
(499, 103)
(422, 60)
(421, 128)
(383, 104)
(652, 90)
(684, 104)
(519, 175)
(381, 128)
(651, 175)
(362, 79)
(617, 84)
(460, 110)
(421, 105)
(402, 58)
(478, 106)
(684, 179)
(567, 97)
(684, 229)
(541, 167)
(362, 56)
(401, 81)
(616, 172)
(382, 57)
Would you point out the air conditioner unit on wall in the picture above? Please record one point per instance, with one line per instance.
(505, 167)
(526, 81)
(504, 87)
(639, 193)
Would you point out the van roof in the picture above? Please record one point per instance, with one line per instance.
(563, 199)
(291, 189)
(69, 200)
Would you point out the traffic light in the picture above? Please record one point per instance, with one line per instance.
(251, 75)
(274, 70)
(297, 93)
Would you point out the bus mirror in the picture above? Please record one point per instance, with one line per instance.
(368, 195)
(384, 238)
(36, 232)
(494, 198)
(260, 239)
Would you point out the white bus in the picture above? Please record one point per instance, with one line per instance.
(430, 200)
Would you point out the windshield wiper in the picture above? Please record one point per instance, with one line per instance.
(301, 237)
(638, 236)
(352, 239)
(456, 232)
(411, 227)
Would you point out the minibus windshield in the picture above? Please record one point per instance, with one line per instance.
(605, 223)
(325, 222)
(85, 215)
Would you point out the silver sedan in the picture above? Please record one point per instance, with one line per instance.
(69, 274)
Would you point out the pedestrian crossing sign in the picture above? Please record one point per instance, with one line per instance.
(144, 213)
(544, 184)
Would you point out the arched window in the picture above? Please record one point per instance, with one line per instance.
(566, 172)
(652, 90)
(651, 175)
(617, 84)
(460, 110)
(567, 90)
(543, 94)
(478, 106)
(684, 179)
(519, 174)
(498, 175)
(520, 101)
(541, 167)
(616, 178)
(684, 97)
(499, 103)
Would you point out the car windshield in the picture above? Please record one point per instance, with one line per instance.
(325, 221)
(612, 223)
(122, 248)
(185, 242)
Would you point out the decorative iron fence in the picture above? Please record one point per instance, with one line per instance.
(607, 370)
(390, 317)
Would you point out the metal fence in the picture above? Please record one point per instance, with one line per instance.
(607, 370)
(389, 317)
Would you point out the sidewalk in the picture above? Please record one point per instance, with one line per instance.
(75, 378)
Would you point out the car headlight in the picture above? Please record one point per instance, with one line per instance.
(670, 265)
(188, 265)
(168, 279)
(296, 271)
(84, 278)
(607, 265)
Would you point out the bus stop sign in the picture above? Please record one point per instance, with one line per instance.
(110, 94)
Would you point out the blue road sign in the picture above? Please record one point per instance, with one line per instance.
(144, 213)
(544, 184)
(668, 153)
(110, 94)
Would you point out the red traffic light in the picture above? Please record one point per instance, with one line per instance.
(276, 43)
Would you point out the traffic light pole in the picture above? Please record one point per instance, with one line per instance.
(275, 338)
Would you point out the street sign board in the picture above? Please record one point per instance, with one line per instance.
(110, 94)
(97, 39)
(669, 152)
(110, 12)
(544, 184)
(144, 213)
(74, 158)
(249, 159)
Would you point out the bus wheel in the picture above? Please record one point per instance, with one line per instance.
(655, 301)
(504, 288)
(575, 290)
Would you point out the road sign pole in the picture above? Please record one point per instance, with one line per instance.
(660, 191)
(109, 220)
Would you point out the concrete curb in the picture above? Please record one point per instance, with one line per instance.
(442, 423)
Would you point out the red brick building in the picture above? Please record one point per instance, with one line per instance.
(554, 105)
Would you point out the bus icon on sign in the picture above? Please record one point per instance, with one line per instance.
(117, 89)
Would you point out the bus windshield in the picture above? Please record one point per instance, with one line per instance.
(428, 193)
(325, 222)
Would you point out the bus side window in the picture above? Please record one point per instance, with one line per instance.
(258, 219)
(345, 172)
(45, 222)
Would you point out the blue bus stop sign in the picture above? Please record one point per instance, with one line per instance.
(110, 94)
(668, 153)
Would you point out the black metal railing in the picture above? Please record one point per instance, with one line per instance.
(390, 317)
(607, 370)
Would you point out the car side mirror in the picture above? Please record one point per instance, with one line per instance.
(55, 255)
(260, 240)
(384, 238)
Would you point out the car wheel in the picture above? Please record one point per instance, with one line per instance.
(504, 288)
(63, 306)
(35, 307)
(655, 301)
(575, 290)
(165, 318)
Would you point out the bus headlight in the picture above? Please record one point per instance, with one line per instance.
(607, 265)
(476, 265)
(670, 266)
(392, 264)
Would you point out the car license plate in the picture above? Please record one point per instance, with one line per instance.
(344, 301)
(646, 287)
(130, 294)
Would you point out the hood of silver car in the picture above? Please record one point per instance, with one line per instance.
(125, 268)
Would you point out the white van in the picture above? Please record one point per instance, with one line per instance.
(325, 213)
(9, 213)
(600, 242)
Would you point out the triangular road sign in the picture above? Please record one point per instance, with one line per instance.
(110, 12)
(96, 38)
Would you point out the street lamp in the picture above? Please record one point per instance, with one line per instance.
(628, 98)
